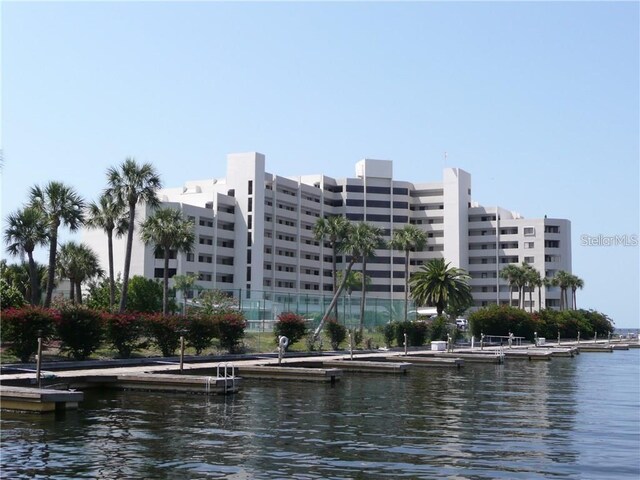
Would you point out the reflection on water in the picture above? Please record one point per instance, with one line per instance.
(568, 418)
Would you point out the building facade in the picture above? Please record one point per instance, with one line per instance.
(254, 232)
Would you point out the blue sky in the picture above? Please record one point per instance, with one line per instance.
(538, 101)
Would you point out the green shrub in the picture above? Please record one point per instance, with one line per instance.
(22, 326)
(337, 333)
(416, 333)
(231, 331)
(201, 330)
(388, 332)
(500, 320)
(80, 331)
(10, 296)
(439, 329)
(165, 331)
(291, 326)
(124, 332)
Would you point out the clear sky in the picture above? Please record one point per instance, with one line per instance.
(538, 101)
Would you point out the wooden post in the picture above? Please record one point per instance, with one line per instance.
(39, 359)
(406, 344)
(181, 352)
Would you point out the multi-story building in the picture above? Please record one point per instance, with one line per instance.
(254, 231)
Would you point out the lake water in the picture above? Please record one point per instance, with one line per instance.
(565, 419)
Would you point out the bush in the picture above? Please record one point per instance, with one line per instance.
(439, 329)
(144, 295)
(10, 296)
(123, 332)
(388, 332)
(164, 330)
(291, 326)
(80, 331)
(22, 326)
(499, 320)
(337, 333)
(416, 333)
(201, 330)
(231, 330)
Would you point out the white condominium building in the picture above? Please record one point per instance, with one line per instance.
(254, 231)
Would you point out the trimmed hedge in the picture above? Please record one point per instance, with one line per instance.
(201, 330)
(80, 331)
(500, 320)
(231, 328)
(165, 331)
(337, 333)
(22, 326)
(291, 325)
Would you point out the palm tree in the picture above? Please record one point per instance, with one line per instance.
(532, 279)
(168, 230)
(408, 238)
(108, 215)
(575, 283)
(27, 229)
(185, 284)
(562, 279)
(437, 283)
(130, 184)
(369, 238)
(511, 273)
(334, 229)
(60, 205)
(78, 263)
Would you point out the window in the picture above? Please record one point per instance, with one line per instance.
(551, 229)
(378, 203)
(355, 188)
(528, 259)
(529, 231)
(206, 222)
(378, 218)
(528, 244)
(354, 203)
(386, 190)
(400, 191)
(250, 187)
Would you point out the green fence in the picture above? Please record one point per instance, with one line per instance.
(261, 308)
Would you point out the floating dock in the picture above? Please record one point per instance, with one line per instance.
(166, 382)
(283, 372)
(38, 399)
(529, 355)
(364, 366)
(595, 348)
(428, 361)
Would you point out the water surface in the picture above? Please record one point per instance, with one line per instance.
(569, 419)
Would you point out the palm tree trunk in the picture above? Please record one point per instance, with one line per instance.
(53, 248)
(540, 298)
(530, 299)
(33, 280)
(406, 284)
(165, 282)
(79, 292)
(72, 290)
(364, 292)
(127, 257)
(334, 273)
(334, 300)
(511, 295)
(573, 298)
(112, 282)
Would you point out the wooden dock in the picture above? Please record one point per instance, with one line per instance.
(528, 354)
(488, 357)
(38, 399)
(165, 382)
(595, 348)
(364, 366)
(428, 361)
(283, 372)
